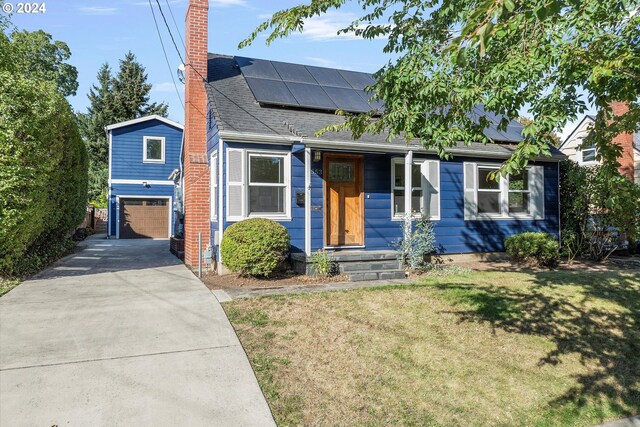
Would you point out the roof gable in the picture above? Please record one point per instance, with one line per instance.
(145, 119)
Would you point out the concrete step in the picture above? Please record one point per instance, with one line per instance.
(359, 276)
(376, 265)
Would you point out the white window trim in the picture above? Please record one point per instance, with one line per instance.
(213, 177)
(399, 161)
(247, 153)
(144, 149)
(504, 196)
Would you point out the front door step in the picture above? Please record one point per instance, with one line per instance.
(357, 265)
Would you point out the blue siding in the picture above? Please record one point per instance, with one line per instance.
(213, 141)
(134, 190)
(453, 233)
(296, 225)
(126, 156)
(127, 163)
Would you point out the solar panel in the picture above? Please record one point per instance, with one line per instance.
(271, 91)
(311, 96)
(293, 73)
(347, 99)
(328, 77)
(375, 104)
(257, 68)
(357, 80)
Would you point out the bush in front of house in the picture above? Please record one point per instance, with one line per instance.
(536, 248)
(255, 247)
(419, 244)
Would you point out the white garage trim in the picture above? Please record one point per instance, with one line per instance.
(124, 196)
(142, 181)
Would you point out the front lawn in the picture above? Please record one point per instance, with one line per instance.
(490, 348)
(7, 284)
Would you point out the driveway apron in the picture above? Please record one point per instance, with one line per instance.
(121, 333)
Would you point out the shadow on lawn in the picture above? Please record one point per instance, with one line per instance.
(609, 339)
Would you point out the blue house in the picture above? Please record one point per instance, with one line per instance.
(143, 154)
(351, 196)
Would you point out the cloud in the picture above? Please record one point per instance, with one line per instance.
(326, 27)
(97, 10)
(163, 87)
(226, 3)
(323, 62)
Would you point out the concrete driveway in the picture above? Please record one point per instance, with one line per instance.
(121, 333)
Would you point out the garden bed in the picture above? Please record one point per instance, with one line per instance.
(278, 280)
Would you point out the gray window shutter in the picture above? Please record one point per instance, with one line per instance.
(431, 187)
(536, 181)
(235, 184)
(470, 202)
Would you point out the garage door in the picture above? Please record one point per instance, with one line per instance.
(144, 218)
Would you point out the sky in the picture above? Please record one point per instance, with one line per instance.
(99, 31)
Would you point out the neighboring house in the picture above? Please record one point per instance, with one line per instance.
(143, 153)
(330, 191)
(575, 150)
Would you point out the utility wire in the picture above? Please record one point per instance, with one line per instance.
(166, 58)
(176, 25)
(169, 29)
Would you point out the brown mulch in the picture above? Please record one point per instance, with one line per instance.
(278, 280)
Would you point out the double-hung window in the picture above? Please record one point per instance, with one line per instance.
(258, 184)
(267, 185)
(425, 183)
(517, 196)
(214, 186)
(153, 149)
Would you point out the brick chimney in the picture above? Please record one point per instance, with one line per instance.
(196, 170)
(624, 140)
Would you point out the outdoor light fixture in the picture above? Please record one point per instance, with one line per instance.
(145, 184)
(317, 156)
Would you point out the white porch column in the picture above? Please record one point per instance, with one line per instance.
(408, 162)
(307, 201)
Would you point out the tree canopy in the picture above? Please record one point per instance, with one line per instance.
(113, 99)
(550, 57)
(35, 53)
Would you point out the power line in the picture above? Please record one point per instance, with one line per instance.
(176, 25)
(169, 29)
(166, 58)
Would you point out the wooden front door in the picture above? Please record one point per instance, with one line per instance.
(344, 200)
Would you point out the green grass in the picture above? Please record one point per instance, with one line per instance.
(7, 284)
(492, 348)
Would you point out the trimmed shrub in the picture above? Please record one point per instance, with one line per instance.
(43, 173)
(255, 246)
(535, 248)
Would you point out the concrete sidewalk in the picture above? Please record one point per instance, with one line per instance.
(121, 333)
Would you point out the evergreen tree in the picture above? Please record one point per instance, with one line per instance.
(131, 91)
(112, 100)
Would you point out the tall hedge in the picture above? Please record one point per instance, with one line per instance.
(43, 169)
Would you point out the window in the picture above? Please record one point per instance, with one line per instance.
(153, 149)
(267, 186)
(519, 193)
(425, 179)
(588, 154)
(489, 193)
(515, 196)
(258, 184)
(214, 186)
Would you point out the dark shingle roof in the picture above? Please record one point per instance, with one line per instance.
(236, 110)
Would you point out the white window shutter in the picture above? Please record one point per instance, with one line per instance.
(536, 181)
(470, 202)
(213, 183)
(235, 184)
(431, 172)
